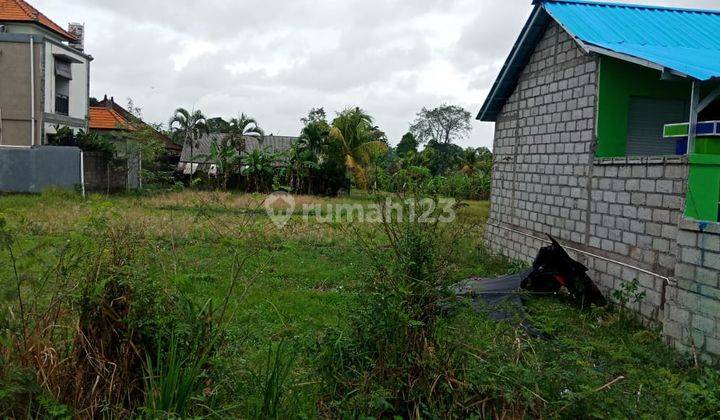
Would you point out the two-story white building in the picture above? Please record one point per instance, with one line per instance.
(44, 76)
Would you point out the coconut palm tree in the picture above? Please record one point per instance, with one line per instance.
(188, 127)
(240, 128)
(353, 130)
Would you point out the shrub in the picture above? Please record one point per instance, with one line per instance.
(85, 350)
(390, 362)
(456, 185)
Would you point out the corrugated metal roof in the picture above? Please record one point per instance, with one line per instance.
(201, 148)
(684, 41)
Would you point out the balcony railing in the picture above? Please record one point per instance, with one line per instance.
(62, 104)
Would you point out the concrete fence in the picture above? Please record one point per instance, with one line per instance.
(35, 169)
(32, 170)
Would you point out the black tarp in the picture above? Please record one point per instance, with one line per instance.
(552, 272)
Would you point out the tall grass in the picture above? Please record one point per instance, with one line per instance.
(272, 382)
(390, 363)
(174, 379)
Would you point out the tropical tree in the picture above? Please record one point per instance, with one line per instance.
(301, 164)
(354, 132)
(445, 124)
(188, 127)
(315, 133)
(442, 158)
(241, 127)
(258, 166)
(218, 125)
(470, 159)
(224, 155)
(408, 143)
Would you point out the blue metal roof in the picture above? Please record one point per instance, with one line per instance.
(683, 41)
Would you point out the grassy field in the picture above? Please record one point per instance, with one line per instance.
(298, 281)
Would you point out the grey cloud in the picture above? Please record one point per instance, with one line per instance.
(277, 59)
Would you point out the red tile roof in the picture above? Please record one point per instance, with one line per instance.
(103, 118)
(21, 11)
(107, 115)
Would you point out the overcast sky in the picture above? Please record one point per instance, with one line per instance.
(277, 59)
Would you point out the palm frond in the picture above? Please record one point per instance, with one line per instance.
(366, 152)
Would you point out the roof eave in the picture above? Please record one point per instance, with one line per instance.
(538, 19)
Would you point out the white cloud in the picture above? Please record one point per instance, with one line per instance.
(277, 59)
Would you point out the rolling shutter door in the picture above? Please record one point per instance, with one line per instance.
(646, 119)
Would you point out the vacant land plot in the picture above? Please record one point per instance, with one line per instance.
(286, 287)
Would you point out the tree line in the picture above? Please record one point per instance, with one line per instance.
(334, 155)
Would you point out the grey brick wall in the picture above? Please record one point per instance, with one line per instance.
(635, 207)
(547, 181)
(543, 140)
(692, 318)
(625, 211)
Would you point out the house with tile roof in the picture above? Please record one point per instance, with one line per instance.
(45, 76)
(107, 117)
(606, 138)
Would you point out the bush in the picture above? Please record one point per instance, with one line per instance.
(93, 142)
(390, 362)
(86, 349)
(456, 185)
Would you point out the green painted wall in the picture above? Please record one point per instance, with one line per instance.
(703, 188)
(619, 81)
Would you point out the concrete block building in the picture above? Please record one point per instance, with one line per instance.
(44, 76)
(606, 138)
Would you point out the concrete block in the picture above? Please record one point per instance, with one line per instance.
(629, 238)
(708, 306)
(712, 346)
(667, 261)
(685, 271)
(687, 238)
(632, 185)
(662, 245)
(654, 200)
(637, 226)
(655, 171)
(647, 185)
(709, 242)
(707, 277)
(691, 256)
(661, 216)
(712, 260)
(707, 325)
(664, 186)
(675, 172)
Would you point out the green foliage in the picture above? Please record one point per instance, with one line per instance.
(629, 292)
(359, 142)
(407, 144)
(86, 141)
(445, 124)
(389, 361)
(258, 167)
(457, 185)
(218, 125)
(175, 379)
(187, 127)
(64, 136)
(272, 383)
(93, 142)
(309, 283)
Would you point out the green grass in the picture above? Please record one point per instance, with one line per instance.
(300, 281)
